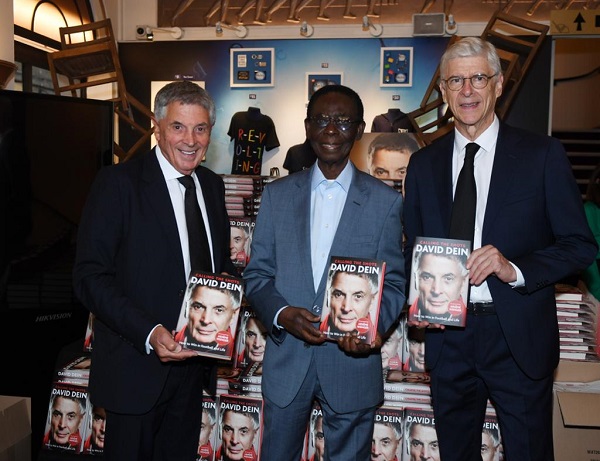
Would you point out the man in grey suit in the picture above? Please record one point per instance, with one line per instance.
(330, 209)
(530, 232)
(131, 271)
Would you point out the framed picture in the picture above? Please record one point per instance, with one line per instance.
(396, 66)
(316, 80)
(250, 67)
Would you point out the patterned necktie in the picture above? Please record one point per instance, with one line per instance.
(200, 259)
(462, 223)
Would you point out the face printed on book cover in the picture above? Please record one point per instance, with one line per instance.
(210, 311)
(441, 281)
(351, 298)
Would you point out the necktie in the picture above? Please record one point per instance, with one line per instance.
(198, 241)
(462, 223)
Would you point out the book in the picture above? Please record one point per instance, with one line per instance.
(250, 343)
(76, 371)
(391, 350)
(94, 443)
(439, 284)
(209, 314)
(413, 358)
(208, 432)
(565, 293)
(352, 297)
(407, 387)
(408, 398)
(240, 427)
(89, 334)
(241, 228)
(491, 439)
(419, 430)
(386, 442)
(315, 437)
(68, 418)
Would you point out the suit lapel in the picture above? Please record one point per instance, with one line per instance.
(441, 169)
(157, 195)
(505, 160)
(300, 204)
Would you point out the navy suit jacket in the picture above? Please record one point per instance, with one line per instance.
(280, 274)
(534, 216)
(129, 272)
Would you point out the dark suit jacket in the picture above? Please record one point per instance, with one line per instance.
(534, 216)
(280, 273)
(129, 272)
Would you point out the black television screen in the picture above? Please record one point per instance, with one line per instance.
(51, 148)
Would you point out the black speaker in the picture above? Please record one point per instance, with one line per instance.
(429, 24)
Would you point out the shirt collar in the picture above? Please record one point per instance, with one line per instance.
(486, 140)
(344, 178)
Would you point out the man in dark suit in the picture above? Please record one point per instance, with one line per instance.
(131, 270)
(530, 232)
(304, 218)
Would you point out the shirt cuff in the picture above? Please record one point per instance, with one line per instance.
(149, 348)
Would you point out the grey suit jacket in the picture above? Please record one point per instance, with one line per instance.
(279, 274)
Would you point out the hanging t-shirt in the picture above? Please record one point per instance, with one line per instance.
(394, 121)
(252, 133)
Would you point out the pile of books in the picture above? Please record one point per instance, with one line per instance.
(577, 324)
(243, 193)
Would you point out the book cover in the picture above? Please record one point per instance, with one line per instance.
(250, 343)
(208, 433)
(414, 350)
(391, 350)
(352, 297)
(315, 437)
(209, 314)
(407, 398)
(420, 437)
(240, 239)
(439, 284)
(89, 334)
(491, 439)
(386, 442)
(240, 428)
(76, 371)
(67, 420)
(94, 443)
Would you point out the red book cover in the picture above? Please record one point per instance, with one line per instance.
(209, 314)
(439, 284)
(208, 431)
(352, 297)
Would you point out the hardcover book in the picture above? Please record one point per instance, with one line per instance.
(240, 239)
(209, 314)
(439, 284)
(240, 428)
(352, 297)
(250, 343)
(419, 433)
(208, 431)
(315, 437)
(68, 402)
(387, 433)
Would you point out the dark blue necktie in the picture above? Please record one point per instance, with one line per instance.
(462, 223)
(198, 241)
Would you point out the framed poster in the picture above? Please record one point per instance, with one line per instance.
(316, 80)
(396, 66)
(251, 67)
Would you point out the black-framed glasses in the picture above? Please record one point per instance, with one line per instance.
(478, 81)
(342, 123)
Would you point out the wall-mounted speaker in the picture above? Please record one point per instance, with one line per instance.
(429, 24)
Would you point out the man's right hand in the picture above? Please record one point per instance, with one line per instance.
(166, 348)
(299, 322)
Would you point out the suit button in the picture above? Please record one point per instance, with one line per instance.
(181, 293)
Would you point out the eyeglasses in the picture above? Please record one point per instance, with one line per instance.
(342, 123)
(478, 81)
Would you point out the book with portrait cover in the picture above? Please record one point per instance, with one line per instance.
(240, 239)
(250, 343)
(439, 283)
(209, 314)
(419, 432)
(314, 437)
(239, 433)
(68, 418)
(352, 297)
(208, 429)
(388, 429)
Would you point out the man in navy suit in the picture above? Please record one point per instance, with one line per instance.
(530, 232)
(131, 270)
(304, 218)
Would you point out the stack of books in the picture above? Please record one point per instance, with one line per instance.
(577, 323)
(243, 193)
